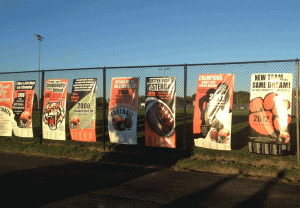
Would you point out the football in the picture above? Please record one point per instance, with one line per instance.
(160, 118)
(223, 135)
(284, 137)
(213, 135)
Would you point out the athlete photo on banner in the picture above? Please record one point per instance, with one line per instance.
(22, 108)
(54, 109)
(270, 113)
(213, 111)
(123, 110)
(82, 114)
(6, 114)
(160, 112)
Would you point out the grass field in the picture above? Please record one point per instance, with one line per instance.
(239, 160)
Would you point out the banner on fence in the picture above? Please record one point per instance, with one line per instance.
(270, 113)
(22, 108)
(160, 112)
(6, 114)
(54, 109)
(213, 111)
(82, 115)
(123, 110)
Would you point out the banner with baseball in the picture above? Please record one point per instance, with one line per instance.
(22, 108)
(213, 111)
(54, 109)
(160, 112)
(6, 114)
(270, 113)
(123, 110)
(82, 114)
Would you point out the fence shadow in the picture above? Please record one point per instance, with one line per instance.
(258, 199)
(53, 183)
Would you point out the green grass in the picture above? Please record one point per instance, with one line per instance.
(239, 160)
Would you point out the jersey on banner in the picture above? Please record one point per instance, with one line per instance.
(123, 110)
(6, 114)
(82, 114)
(270, 113)
(54, 109)
(213, 111)
(22, 108)
(160, 112)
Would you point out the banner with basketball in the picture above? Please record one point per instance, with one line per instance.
(82, 114)
(270, 113)
(6, 114)
(123, 110)
(22, 108)
(160, 112)
(54, 109)
(213, 111)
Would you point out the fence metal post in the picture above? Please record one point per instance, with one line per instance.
(184, 122)
(104, 106)
(297, 108)
(41, 107)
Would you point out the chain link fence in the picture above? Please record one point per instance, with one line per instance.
(186, 83)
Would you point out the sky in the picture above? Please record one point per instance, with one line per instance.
(97, 33)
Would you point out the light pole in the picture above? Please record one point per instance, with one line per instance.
(39, 38)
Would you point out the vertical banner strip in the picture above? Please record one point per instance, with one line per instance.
(160, 112)
(123, 110)
(6, 113)
(54, 109)
(22, 108)
(270, 111)
(213, 111)
(82, 115)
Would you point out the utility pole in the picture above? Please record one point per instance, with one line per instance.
(39, 38)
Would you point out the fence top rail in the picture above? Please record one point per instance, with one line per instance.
(151, 66)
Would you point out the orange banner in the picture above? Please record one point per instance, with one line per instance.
(82, 114)
(160, 112)
(6, 114)
(213, 111)
(123, 110)
(270, 113)
(22, 108)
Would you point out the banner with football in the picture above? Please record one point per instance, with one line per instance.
(270, 113)
(213, 111)
(82, 114)
(6, 114)
(54, 109)
(123, 110)
(22, 108)
(160, 112)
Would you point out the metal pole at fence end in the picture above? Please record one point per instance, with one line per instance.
(41, 109)
(104, 106)
(297, 109)
(184, 124)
